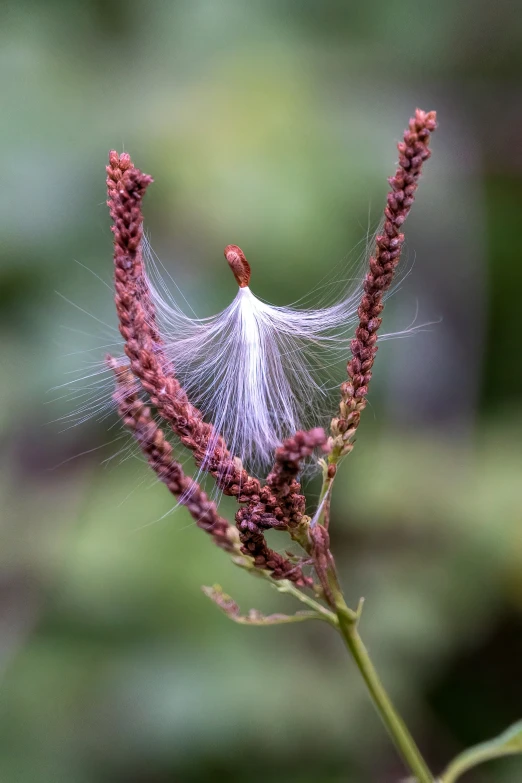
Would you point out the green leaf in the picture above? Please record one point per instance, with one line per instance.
(506, 744)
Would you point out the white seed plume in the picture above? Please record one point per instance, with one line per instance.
(258, 372)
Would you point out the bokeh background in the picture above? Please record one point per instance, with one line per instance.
(271, 125)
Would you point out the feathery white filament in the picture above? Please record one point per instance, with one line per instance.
(258, 372)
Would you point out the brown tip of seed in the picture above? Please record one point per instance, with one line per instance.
(238, 264)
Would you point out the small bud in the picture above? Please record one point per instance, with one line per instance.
(238, 264)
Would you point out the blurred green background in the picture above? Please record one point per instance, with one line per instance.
(271, 125)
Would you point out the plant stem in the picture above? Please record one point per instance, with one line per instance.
(326, 488)
(396, 727)
(284, 586)
(348, 621)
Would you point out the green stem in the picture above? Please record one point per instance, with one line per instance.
(395, 725)
(348, 621)
(461, 766)
(326, 487)
(284, 586)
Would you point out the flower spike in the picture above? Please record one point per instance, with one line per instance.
(413, 152)
(144, 348)
(137, 417)
(126, 187)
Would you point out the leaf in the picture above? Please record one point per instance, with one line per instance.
(506, 744)
(253, 617)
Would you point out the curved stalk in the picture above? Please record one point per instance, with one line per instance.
(396, 727)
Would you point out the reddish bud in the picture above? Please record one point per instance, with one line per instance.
(238, 264)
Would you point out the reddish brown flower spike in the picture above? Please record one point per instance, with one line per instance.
(138, 418)
(238, 264)
(413, 152)
(143, 346)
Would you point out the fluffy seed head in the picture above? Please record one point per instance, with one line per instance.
(259, 372)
